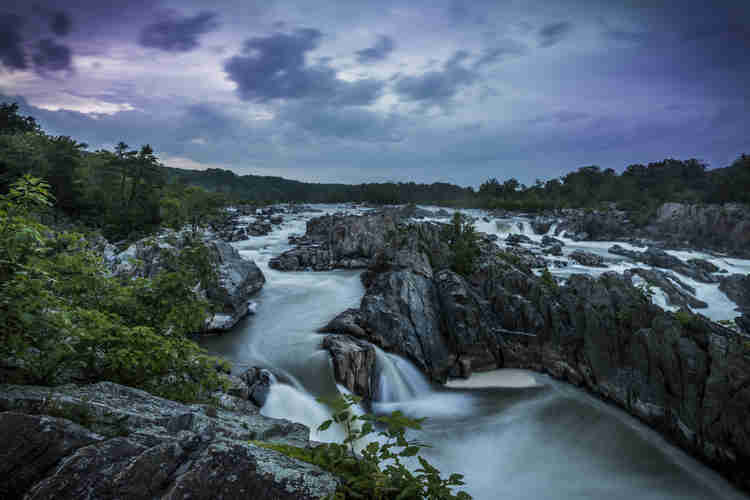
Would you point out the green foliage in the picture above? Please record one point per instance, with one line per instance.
(378, 470)
(548, 280)
(463, 241)
(688, 320)
(61, 315)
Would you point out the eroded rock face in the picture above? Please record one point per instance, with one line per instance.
(353, 363)
(587, 259)
(684, 375)
(724, 228)
(698, 269)
(130, 444)
(737, 288)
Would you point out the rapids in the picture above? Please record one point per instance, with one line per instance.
(513, 434)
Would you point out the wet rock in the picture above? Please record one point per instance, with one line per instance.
(550, 241)
(517, 239)
(737, 288)
(276, 219)
(542, 225)
(127, 443)
(697, 269)
(704, 265)
(678, 293)
(252, 385)
(555, 250)
(587, 259)
(238, 278)
(353, 363)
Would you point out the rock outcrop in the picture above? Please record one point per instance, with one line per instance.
(238, 278)
(683, 374)
(587, 259)
(338, 241)
(698, 269)
(110, 441)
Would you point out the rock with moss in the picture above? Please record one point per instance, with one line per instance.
(111, 441)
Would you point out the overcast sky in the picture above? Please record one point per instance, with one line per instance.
(358, 91)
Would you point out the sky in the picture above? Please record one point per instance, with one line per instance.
(370, 91)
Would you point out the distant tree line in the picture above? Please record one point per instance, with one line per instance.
(128, 192)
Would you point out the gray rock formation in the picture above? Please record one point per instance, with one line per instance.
(687, 377)
(353, 363)
(737, 288)
(587, 259)
(517, 239)
(110, 441)
(698, 269)
(238, 278)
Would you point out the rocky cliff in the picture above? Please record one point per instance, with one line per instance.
(681, 373)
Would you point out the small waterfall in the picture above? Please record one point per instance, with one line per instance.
(399, 380)
(290, 403)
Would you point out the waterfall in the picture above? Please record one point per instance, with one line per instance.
(399, 380)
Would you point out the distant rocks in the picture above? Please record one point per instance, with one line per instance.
(550, 241)
(517, 239)
(698, 269)
(587, 259)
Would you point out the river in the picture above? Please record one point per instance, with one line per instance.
(513, 434)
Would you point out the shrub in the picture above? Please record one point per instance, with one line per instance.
(377, 472)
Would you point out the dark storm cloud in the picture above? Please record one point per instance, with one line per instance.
(378, 52)
(178, 34)
(437, 86)
(274, 67)
(61, 23)
(508, 48)
(553, 33)
(51, 56)
(11, 42)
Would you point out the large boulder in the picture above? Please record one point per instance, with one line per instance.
(110, 441)
(725, 228)
(238, 278)
(588, 259)
(353, 363)
(737, 288)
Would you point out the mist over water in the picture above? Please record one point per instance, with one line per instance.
(514, 434)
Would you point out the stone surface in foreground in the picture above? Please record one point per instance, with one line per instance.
(109, 441)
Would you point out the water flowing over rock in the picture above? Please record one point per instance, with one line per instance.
(681, 373)
(698, 269)
(587, 259)
(353, 363)
(110, 441)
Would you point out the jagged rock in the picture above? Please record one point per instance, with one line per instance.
(542, 225)
(555, 250)
(550, 241)
(618, 250)
(353, 363)
(276, 219)
(725, 228)
(737, 288)
(704, 265)
(463, 314)
(400, 313)
(517, 239)
(238, 278)
(678, 294)
(252, 385)
(110, 441)
(587, 259)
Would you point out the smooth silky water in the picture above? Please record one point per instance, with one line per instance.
(512, 433)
